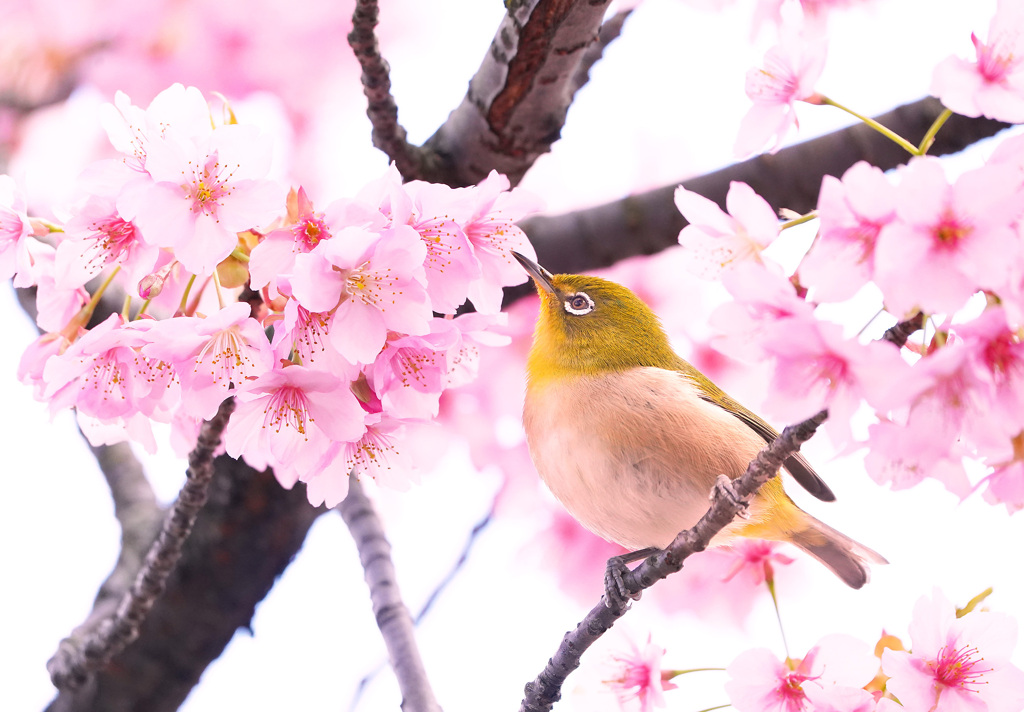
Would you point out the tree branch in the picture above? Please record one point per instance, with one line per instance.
(392, 616)
(728, 499)
(647, 223)
(519, 97)
(75, 659)
(388, 135)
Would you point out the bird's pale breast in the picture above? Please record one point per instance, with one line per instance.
(633, 455)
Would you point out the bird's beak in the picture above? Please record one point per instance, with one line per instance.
(540, 275)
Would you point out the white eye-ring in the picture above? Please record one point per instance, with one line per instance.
(579, 304)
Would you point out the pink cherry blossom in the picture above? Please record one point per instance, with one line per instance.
(954, 239)
(275, 253)
(956, 664)
(56, 306)
(105, 375)
(210, 354)
(638, 675)
(306, 333)
(199, 195)
(997, 357)
(993, 84)
(374, 454)
(714, 240)
(753, 559)
(487, 213)
(373, 283)
(828, 677)
(15, 229)
(289, 416)
(853, 212)
(1005, 485)
(788, 75)
(97, 237)
(817, 367)
(904, 454)
(410, 372)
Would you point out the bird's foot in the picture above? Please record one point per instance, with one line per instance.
(725, 488)
(616, 593)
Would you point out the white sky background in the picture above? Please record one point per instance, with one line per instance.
(663, 104)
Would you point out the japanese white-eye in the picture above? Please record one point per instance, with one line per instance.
(631, 438)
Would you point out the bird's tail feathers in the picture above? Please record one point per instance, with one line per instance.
(845, 557)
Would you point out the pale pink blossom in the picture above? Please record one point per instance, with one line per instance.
(956, 664)
(199, 195)
(1005, 485)
(374, 454)
(714, 240)
(373, 283)
(753, 559)
(953, 239)
(15, 229)
(306, 333)
(638, 675)
(487, 213)
(817, 367)
(904, 454)
(996, 355)
(787, 75)
(34, 358)
(275, 253)
(211, 354)
(853, 212)
(104, 374)
(97, 237)
(410, 372)
(828, 677)
(993, 84)
(289, 416)
(56, 306)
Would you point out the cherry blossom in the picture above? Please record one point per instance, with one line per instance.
(956, 663)
(199, 195)
(954, 239)
(853, 212)
(714, 240)
(210, 354)
(788, 74)
(830, 676)
(14, 231)
(638, 675)
(289, 416)
(372, 282)
(487, 213)
(993, 84)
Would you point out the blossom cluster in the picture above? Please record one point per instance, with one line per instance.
(349, 331)
(918, 244)
(958, 659)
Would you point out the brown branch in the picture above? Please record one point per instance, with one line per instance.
(393, 618)
(727, 501)
(899, 333)
(75, 659)
(519, 97)
(647, 223)
(388, 135)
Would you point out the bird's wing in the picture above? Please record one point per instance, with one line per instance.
(796, 465)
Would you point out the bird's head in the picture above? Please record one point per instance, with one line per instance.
(588, 325)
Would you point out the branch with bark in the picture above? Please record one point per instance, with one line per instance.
(393, 618)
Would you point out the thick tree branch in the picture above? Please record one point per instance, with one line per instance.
(647, 223)
(518, 99)
(392, 616)
(727, 501)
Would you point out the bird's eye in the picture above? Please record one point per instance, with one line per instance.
(579, 304)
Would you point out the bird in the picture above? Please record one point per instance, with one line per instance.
(631, 438)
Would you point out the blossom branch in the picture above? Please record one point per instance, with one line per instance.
(393, 618)
(728, 500)
(647, 223)
(388, 135)
(519, 97)
(899, 333)
(74, 660)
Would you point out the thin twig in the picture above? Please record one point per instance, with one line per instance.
(727, 501)
(75, 660)
(392, 616)
(899, 333)
(388, 135)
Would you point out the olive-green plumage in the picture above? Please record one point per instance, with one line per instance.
(630, 437)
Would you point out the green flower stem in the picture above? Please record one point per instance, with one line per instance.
(676, 673)
(929, 137)
(799, 221)
(778, 616)
(891, 135)
(183, 306)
